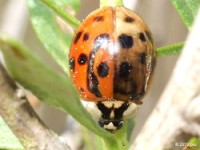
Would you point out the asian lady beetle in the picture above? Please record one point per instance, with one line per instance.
(112, 59)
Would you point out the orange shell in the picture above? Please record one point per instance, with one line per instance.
(112, 56)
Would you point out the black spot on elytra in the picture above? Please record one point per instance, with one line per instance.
(98, 18)
(142, 37)
(125, 41)
(85, 36)
(92, 80)
(129, 19)
(149, 37)
(143, 57)
(124, 69)
(119, 111)
(72, 63)
(93, 85)
(103, 69)
(104, 110)
(82, 59)
(77, 37)
(82, 90)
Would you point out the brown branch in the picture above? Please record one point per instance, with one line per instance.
(23, 121)
(176, 117)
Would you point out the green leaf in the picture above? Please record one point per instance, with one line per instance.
(170, 50)
(63, 4)
(122, 137)
(112, 3)
(194, 143)
(62, 12)
(48, 31)
(187, 10)
(51, 87)
(130, 127)
(8, 140)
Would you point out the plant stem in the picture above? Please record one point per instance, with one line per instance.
(122, 137)
(62, 13)
(112, 3)
(173, 49)
(110, 145)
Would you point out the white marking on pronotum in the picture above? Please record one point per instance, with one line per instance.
(110, 126)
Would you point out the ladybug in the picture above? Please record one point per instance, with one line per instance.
(112, 59)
